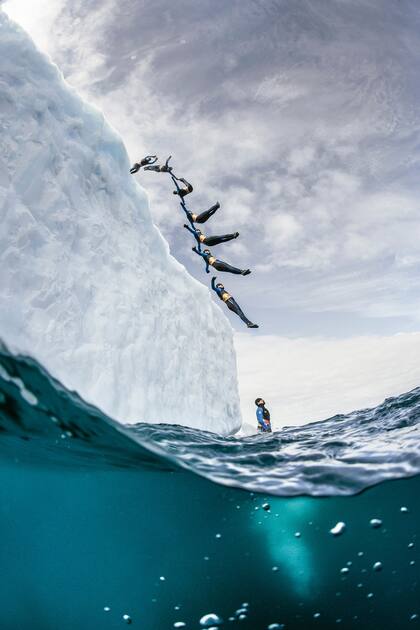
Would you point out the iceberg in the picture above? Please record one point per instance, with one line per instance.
(87, 283)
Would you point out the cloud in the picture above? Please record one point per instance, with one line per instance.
(301, 120)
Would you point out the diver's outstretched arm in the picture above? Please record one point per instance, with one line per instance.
(197, 252)
(187, 227)
(200, 253)
(213, 283)
(166, 168)
(188, 213)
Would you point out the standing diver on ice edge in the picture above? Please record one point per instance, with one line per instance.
(230, 302)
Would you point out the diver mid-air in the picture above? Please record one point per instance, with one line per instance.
(230, 302)
(183, 192)
(211, 261)
(146, 161)
(210, 240)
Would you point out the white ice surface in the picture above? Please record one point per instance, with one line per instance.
(87, 284)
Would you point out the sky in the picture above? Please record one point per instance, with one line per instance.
(302, 120)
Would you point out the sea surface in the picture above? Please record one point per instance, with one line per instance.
(155, 526)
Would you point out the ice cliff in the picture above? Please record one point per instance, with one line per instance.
(87, 284)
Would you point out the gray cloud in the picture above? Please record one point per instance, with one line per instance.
(301, 118)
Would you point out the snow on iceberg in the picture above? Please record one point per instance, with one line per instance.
(87, 284)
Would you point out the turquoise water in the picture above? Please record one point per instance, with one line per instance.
(90, 518)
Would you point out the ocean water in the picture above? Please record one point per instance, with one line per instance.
(166, 524)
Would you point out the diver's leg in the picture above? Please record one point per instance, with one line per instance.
(234, 306)
(205, 216)
(222, 266)
(216, 240)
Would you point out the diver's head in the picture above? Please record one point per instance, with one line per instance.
(259, 402)
(219, 285)
(198, 231)
(206, 251)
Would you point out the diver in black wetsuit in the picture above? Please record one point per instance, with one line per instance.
(203, 216)
(230, 302)
(149, 159)
(211, 261)
(161, 169)
(209, 240)
(183, 192)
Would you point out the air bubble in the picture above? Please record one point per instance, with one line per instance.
(377, 566)
(127, 619)
(375, 523)
(338, 529)
(276, 626)
(298, 534)
(179, 624)
(266, 507)
(344, 570)
(275, 569)
(107, 608)
(403, 509)
(218, 536)
(210, 620)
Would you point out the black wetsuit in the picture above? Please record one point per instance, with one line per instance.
(183, 192)
(231, 303)
(210, 240)
(148, 160)
(219, 264)
(161, 169)
(204, 216)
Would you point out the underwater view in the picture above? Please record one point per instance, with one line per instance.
(104, 525)
(209, 323)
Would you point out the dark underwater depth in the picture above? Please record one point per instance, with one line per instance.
(100, 521)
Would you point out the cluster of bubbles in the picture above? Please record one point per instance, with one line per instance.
(213, 621)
